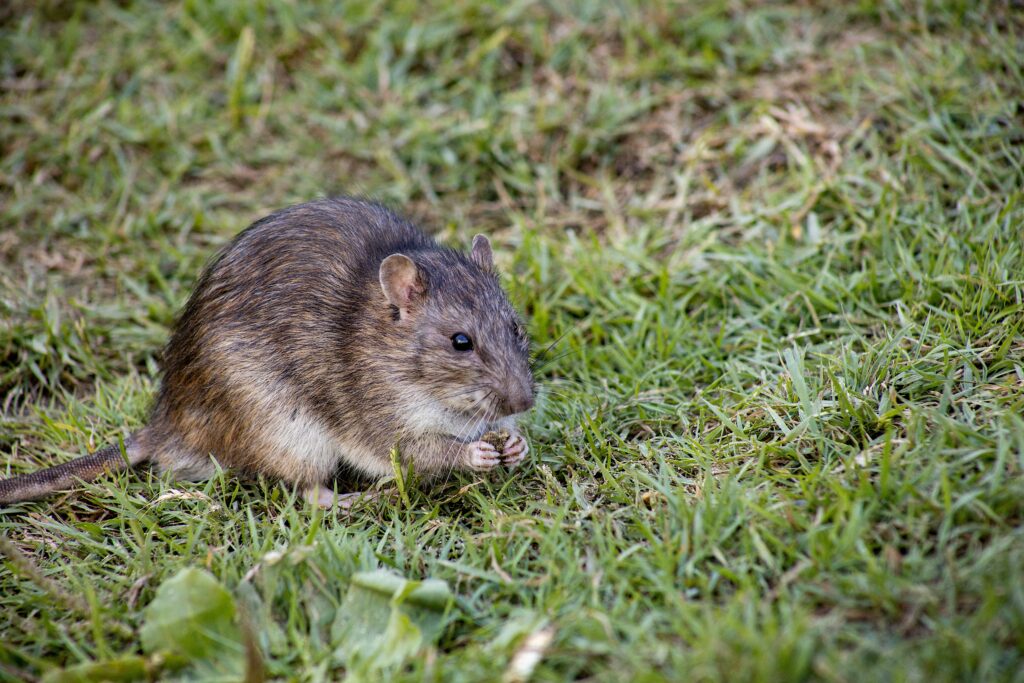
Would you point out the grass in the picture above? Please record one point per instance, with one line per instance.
(782, 433)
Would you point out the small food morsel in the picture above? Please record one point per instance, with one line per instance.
(497, 439)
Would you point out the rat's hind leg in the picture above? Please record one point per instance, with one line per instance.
(189, 466)
(169, 453)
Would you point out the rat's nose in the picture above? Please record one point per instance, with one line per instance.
(520, 404)
(520, 401)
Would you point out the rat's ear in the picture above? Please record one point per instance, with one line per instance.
(402, 281)
(481, 253)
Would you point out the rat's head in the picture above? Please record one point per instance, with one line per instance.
(471, 352)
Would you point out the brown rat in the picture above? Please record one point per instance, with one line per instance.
(322, 336)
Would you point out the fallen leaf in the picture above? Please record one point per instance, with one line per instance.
(193, 616)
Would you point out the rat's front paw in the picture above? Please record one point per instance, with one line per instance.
(514, 451)
(481, 456)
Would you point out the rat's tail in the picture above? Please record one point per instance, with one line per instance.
(44, 482)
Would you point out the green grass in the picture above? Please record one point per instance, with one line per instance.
(782, 435)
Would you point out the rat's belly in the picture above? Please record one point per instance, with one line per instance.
(300, 447)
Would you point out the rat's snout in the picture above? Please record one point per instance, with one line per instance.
(520, 404)
(520, 398)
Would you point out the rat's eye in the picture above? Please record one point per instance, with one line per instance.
(462, 342)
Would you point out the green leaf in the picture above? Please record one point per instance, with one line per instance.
(386, 619)
(192, 616)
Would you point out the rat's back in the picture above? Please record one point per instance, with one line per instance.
(334, 243)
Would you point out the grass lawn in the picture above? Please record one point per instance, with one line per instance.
(781, 247)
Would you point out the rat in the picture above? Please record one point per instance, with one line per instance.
(321, 338)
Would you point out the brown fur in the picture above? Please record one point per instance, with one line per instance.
(295, 356)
